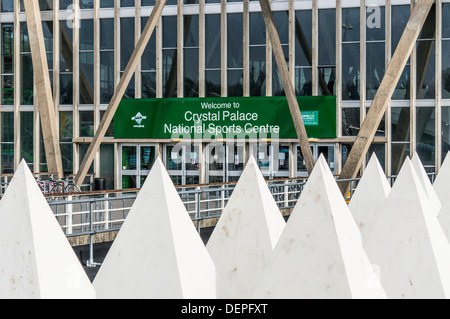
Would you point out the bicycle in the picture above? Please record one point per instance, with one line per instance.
(71, 187)
(51, 186)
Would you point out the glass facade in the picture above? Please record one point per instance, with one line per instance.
(208, 52)
(7, 64)
(303, 52)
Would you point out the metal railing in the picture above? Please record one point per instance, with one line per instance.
(87, 212)
(91, 213)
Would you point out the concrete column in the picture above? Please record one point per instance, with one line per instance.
(137, 34)
(43, 88)
(223, 39)
(246, 54)
(315, 47)
(17, 84)
(338, 81)
(180, 45)
(438, 92)
(201, 50)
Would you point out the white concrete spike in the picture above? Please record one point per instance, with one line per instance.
(408, 244)
(246, 233)
(426, 183)
(444, 217)
(157, 252)
(441, 184)
(369, 196)
(319, 253)
(36, 259)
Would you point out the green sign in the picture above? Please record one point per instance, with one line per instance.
(231, 117)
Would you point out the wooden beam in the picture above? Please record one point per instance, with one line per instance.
(384, 93)
(43, 88)
(287, 84)
(119, 91)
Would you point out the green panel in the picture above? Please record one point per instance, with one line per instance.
(241, 117)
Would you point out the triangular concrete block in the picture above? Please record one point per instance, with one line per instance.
(246, 233)
(319, 253)
(441, 184)
(426, 183)
(369, 196)
(36, 260)
(444, 217)
(408, 244)
(157, 252)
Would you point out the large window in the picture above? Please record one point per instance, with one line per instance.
(86, 4)
(86, 80)
(190, 56)
(86, 123)
(375, 49)
(281, 19)
(425, 136)
(106, 60)
(26, 138)
(327, 51)
(426, 58)
(212, 55)
(126, 50)
(350, 54)
(66, 64)
(106, 3)
(47, 28)
(7, 64)
(44, 5)
(7, 6)
(65, 140)
(127, 3)
(257, 50)
(65, 4)
(400, 16)
(235, 54)
(303, 52)
(26, 67)
(148, 66)
(400, 117)
(7, 142)
(169, 56)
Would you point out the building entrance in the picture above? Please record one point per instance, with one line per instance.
(182, 163)
(137, 160)
(225, 162)
(272, 159)
(328, 151)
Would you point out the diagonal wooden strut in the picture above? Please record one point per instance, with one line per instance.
(119, 91)
(43, 88)
(287, 84)
(384, 93)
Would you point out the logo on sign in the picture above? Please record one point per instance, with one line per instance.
(138, 118)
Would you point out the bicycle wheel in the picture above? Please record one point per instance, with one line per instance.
(72, 188)
(58, 188)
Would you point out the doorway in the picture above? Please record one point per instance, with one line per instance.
(224, 162)
(182, 163)
(328, 151)
(137, 161)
